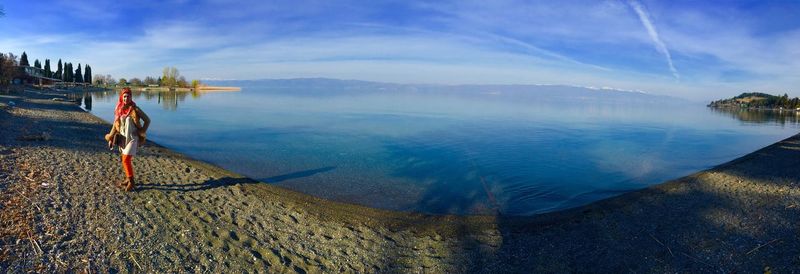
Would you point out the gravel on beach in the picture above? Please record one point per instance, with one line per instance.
(60, 211)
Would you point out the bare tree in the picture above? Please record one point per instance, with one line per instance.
(110, 80)
(170, 76)
(150, 81)
(7, 67)
(182, 82)
(99, 79)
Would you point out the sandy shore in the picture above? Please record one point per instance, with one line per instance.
(213, 88)
(60, 212)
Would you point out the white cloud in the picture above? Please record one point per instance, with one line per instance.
(717, 44)
(90, 10)
(651, 30)
(185, 35)
(456, 42)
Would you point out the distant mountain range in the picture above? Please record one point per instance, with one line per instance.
(758, 100)
(539, 93)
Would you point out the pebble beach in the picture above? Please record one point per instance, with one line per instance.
(61, 211)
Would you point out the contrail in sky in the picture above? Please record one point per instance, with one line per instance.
(645, 18)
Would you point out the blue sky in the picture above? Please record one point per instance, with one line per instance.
(699, 50)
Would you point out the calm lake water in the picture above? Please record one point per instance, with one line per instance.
(444, 153)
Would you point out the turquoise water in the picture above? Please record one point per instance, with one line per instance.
(439, 153)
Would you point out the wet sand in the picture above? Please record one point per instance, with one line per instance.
(61, 212)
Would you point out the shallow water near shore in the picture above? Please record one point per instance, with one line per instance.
(448, 154)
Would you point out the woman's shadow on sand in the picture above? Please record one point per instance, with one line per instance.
(229, 181)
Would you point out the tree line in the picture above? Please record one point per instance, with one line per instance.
(170, 77)
(65, 71)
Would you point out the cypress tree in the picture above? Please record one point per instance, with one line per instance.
(87, 74)
(47, 72)
(59, 71)
(68, 72)
(37, 64)
(23, 61)
(78, 74)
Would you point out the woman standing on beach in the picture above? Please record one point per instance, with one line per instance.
(128, 133)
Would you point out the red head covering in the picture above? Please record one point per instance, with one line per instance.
(119, 111)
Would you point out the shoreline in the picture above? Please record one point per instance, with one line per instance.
(754, 108)
(177, 89)
(193, 216)
(140, 89)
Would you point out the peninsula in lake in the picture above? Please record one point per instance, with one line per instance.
(757, 100)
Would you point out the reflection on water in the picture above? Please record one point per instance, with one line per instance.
(447, 153)
(781, 117)
(167, 99)
(86, 101)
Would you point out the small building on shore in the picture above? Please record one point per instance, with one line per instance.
(33, 76)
